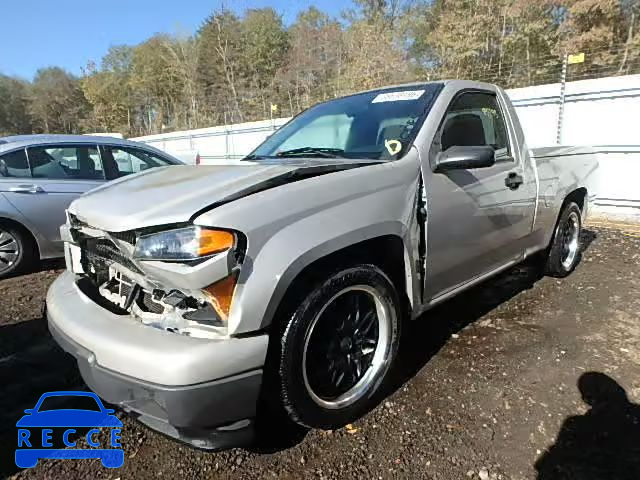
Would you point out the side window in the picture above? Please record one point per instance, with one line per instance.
(66, 162)
(121, 161)
(475, 119)
(14, 164)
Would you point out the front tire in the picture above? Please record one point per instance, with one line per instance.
(564, 251)
(337, 348)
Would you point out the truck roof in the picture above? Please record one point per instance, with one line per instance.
(447, 82)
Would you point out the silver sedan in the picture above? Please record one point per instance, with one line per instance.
(39, 177)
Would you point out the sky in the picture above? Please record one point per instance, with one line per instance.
(70, 33)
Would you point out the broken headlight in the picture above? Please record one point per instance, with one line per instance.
(183, 244)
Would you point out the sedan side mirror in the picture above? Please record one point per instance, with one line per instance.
(458, 157)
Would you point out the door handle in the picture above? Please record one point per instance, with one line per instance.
(27, 189)
(513, 181)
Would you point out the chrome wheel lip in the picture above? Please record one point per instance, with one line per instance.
(379, 363)
(9, 250)
(570, 240)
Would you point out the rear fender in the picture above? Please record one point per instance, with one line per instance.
(11, 214)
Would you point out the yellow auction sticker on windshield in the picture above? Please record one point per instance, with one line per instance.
(393, 146)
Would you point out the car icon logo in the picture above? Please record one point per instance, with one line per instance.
(50, 421)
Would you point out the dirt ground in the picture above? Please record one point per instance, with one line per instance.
(521, 378)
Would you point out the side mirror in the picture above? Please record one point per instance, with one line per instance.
(28, 411)
(457, 158)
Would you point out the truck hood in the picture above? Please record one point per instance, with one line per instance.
(176, 194)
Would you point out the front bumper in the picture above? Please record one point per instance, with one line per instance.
(215, 411)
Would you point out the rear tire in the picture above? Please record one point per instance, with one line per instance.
(338, 346)
(564, 252)
(17, 251)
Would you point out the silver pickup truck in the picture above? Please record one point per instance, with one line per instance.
(196, 294)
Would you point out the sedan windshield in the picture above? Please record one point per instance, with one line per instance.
(377, 125)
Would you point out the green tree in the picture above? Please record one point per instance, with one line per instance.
(372, 58)
(597, 28)
(156, 84)
(265, 46)
(182, 55)
(56, 102)
(219, 67)
(509, 42)
(14, 116)
(382, 12)
(313, 62)
(109, 90)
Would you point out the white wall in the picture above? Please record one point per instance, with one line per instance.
(215, 145)
(603, 112)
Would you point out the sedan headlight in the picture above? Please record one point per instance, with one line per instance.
(183, 244)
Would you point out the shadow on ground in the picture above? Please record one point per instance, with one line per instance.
(423, 338)
(30, 364)
(41, 266)
(604, 443)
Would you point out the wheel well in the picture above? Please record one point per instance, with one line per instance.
(578, 196)
(28, 235)
(386, 252)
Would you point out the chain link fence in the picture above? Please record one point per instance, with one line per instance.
(580, 65)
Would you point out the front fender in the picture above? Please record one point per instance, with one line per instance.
(290, 227)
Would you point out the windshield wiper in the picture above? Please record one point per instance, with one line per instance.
(253, 156)
(321, 151)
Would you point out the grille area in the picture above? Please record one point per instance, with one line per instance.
(122, 285)
(103, 252)
(75, 222)
(129, 237)
(146, 303)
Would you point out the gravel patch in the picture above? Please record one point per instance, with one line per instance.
(521, 378)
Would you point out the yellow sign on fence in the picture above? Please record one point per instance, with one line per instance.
(577, 58)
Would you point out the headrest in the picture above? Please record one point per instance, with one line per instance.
(463, 130)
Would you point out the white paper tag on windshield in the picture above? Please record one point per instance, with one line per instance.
(398, 96)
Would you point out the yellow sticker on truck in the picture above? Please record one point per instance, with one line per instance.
(393, 146)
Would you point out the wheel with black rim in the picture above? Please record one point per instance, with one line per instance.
(337, 348)
(15, 250)
(564, 251)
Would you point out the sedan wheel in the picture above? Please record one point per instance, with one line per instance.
(10, 251)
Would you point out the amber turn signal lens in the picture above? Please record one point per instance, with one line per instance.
(221, 295)
(214, 241)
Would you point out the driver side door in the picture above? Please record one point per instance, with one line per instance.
(476, 223)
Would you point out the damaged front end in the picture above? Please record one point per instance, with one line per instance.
(160, 276)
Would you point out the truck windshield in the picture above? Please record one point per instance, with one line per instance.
(376, 125)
